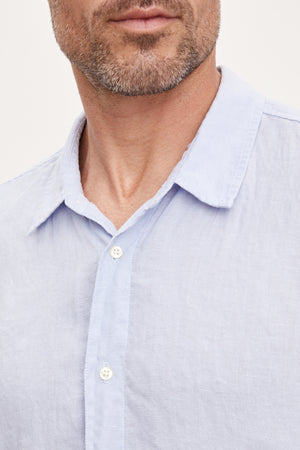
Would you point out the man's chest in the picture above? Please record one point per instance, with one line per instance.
(200, 331)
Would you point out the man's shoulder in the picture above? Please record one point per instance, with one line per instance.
(280, 128)
(23, 181)
(20, 194)
(282, 111)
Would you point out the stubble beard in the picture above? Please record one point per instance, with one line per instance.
(144, 73)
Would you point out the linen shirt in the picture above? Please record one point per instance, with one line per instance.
(181, 329)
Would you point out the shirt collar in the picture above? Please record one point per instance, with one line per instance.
(212, 168)
(56, 186)
(216, 161)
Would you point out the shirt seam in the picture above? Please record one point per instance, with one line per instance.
(281, 115)
(273, 108)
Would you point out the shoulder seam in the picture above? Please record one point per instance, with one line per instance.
(282, 111)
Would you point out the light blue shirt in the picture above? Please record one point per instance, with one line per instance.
(180, 330)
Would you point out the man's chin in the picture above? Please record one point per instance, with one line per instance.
(142, 81)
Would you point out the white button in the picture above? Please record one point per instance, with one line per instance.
(116, 252)
(106, 373)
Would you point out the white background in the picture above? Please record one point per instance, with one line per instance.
(259, 41)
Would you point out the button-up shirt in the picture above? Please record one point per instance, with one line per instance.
(181, 329)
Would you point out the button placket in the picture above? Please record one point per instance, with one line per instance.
(108, 338)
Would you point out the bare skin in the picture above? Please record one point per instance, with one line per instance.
(132, 142)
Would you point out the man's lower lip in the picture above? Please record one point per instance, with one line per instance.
(142, 25)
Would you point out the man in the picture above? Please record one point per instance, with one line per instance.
(150, 288)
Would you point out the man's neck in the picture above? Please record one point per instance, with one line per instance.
(131, 144)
